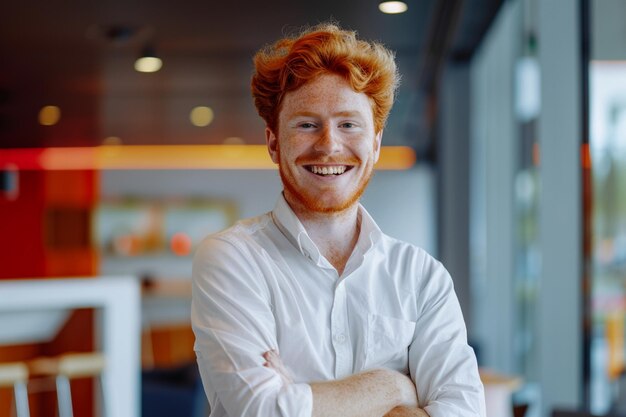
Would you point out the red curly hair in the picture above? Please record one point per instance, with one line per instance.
(289, 63)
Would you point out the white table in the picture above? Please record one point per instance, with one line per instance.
(119, 300)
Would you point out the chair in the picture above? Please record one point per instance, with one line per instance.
(66, 367)
(16, 374)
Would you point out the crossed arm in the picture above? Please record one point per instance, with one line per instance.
(229, 339)
(379, 392)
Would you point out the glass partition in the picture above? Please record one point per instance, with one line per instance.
(607, 142)
(608, 302)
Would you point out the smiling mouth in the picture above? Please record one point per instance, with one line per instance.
(325, 170)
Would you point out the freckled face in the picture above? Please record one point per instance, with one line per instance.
(325, 146)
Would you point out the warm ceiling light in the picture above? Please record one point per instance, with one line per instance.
(49, 115)
(392, 7)
(201, 116)
(170, 157)
(148, 61)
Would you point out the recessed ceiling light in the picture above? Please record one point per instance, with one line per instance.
(201, 116)
(148, 64)
(49, 115)
(148, 61)
(392, 7)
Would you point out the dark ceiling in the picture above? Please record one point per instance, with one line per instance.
(79, 55)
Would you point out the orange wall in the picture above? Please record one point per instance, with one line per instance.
(45, 232)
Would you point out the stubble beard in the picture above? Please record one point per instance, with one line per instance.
(311, 203)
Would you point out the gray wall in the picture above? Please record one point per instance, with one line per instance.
(493, 144)
(608, 39)
(560, 206)
(453, 181)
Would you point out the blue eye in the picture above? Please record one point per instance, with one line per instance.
(347, 125)
(307, 125)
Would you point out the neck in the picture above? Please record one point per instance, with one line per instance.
(335, 234)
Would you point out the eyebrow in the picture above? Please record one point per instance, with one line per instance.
(347, 113)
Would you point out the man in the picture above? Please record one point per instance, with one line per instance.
(310, 310)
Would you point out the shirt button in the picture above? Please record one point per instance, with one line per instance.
(340, 338)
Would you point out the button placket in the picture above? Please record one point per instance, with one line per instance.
(340, 333)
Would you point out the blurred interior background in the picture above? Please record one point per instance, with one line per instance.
(127, 134)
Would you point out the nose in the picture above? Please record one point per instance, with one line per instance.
(329, 141)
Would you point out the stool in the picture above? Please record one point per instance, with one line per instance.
(16, 374)
(66, 367)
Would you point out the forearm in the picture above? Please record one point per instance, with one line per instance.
(375, 393)
(368, 394)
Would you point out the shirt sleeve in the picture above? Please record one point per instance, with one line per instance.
(442, 364)
(234, 325)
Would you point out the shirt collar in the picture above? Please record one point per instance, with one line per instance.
(370, 232)
(289, 224)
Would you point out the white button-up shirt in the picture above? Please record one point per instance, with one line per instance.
(263, 284)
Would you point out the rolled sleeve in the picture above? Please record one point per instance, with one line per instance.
(442, 364)
(234, 325)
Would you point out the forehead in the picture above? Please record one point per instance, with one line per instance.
(325, 94)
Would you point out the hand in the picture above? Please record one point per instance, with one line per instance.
(402, 411)
(273, 361)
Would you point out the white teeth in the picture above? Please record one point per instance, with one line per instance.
(326, 170)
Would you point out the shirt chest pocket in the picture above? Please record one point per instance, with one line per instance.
(388, 341)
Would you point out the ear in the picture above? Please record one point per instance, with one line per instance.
(272, 144)
(377, 143)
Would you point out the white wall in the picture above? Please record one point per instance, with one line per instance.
(402, 202)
